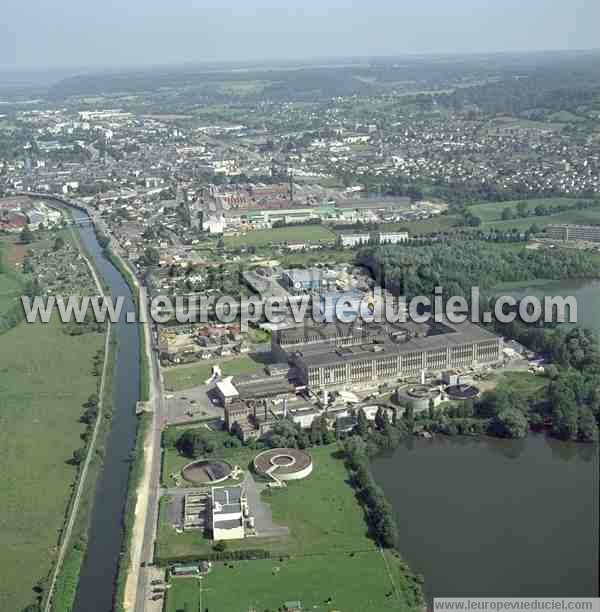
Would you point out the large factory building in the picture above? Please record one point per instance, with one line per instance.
(338, 354)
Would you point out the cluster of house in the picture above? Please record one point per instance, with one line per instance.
(17, 213)
(185, 343)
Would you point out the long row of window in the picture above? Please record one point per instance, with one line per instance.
(404, 364)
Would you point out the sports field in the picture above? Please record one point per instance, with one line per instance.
(45, 377)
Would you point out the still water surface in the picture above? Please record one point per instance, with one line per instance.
(96, 587)
(488, 517)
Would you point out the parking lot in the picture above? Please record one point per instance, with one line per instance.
(191, 405)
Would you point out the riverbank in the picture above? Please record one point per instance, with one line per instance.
(63, 588)
(43, 402)
(136, 508)
(134, 505)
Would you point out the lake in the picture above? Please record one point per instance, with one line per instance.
(488, 517)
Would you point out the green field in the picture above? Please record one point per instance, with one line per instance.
(526, 384)
(591, 216)
(45, 377)
(173, 461)
(490, 214)
(312, 258)
(296, 233)
(9, 291)
(331, 555)
(321, 512)
(364, 582)
(10, 284)
(186, 376)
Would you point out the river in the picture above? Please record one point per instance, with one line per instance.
(96, 587)
(488, 517)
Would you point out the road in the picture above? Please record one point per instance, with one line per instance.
(146, 513)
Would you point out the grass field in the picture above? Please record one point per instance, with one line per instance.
(10, 284)
(45, 377)
(591, 216)
(525, 384)
(312, 258)
(491, 217)
(333, 564)
(9, 291)
(296, 233)
(186, 376)
(321, 512)
(364, 582)
(173, 461)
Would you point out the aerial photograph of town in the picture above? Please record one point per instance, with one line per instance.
(299, 306)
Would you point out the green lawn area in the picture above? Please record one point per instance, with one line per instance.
(364, 582)
(173, 461)
(186, 376)
(296, 233)
(321, 511)
(525, 384)
(590, 216)
(439, 223)
(330, 554)
(45, 377)
(312, 258)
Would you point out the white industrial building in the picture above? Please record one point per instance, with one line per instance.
(229, 511)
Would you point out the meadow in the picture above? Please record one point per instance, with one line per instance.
(361, 582)
(490, 214)
(45, 377)
(333, 564)
(10, 282)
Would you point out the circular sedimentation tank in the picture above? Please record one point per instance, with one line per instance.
(462, 392)
(206, 471)
(283, 463)
(419, 396)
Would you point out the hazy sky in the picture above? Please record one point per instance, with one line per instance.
(62, 33)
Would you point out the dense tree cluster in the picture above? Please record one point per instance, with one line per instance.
(378, 510)
(195, 443)
(458, 265)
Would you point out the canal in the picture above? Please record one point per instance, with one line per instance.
(96, 587)
(488, 517)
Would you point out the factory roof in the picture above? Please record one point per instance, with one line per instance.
(227, 388)
(227, 500)
(260, 385)
(229, 524)
(433, 337)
